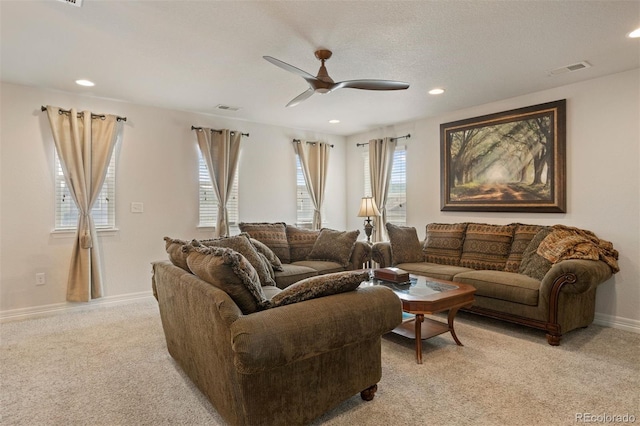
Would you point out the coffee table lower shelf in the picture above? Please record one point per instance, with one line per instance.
(420, 328)
(430, 328)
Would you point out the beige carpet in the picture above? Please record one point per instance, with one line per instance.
(109, 366)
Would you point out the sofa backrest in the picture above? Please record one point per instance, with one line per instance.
(478, 245)
(301, 242)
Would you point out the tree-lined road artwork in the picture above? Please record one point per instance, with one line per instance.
(503, 162)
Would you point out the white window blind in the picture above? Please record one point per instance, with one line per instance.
(304, 210)
(397, 197)
(104, 209)
(209, 201)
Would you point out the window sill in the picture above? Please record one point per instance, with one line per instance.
(65, 233)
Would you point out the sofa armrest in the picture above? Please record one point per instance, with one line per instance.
(360, 255)
(275, 337)
(574, 276)
(381, 254)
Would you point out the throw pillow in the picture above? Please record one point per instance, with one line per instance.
(334, 246)
(532, 263)
(319, 286)
(273, 235)
(443, 244)
(268, 253)
(486, 246)
(521, 239)
(231, 272)
(301, 242)
(176, 255)
(405, 246)
(242, 245)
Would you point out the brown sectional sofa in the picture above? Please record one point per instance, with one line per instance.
(506, 264)
(264, 355)
(295, 249)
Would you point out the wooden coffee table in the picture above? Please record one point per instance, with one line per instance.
(426, 295)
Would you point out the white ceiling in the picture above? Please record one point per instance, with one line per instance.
(193, 55)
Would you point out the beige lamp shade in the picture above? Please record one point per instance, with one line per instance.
(368, 207)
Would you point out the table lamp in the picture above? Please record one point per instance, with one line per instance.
(368, 208)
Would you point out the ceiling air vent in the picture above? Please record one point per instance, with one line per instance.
(570, 68)
(76, 3)
(227, 107)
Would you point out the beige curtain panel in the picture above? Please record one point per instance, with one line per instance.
(221, 152)
(380, 164)
(314, 158)
(84, 146)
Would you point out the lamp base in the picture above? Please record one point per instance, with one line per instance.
(368, 228)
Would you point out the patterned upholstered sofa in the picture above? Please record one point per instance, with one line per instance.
(538, 276)
(293, 253)
(305, 253)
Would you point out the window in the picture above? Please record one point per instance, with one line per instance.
(104, 209)
(209, 201)
(305, 209)
(397, 197)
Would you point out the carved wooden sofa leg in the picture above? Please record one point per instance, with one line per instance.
(369, 393)
(554, 339)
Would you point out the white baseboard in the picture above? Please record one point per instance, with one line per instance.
(617, 322)
(60, 308)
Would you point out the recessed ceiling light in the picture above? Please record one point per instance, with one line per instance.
(436, 91)
(635, 33)
(334, 121)
(85, 83)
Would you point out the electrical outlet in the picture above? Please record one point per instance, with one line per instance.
(137, 207)
(40, 278)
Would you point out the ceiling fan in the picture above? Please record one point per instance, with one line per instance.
(322, 83)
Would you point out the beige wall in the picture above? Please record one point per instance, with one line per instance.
(157, 165)
(603, 182)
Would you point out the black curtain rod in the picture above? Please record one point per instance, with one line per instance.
(407, 136)
(216, 130)
(67, 111)
(311, 143)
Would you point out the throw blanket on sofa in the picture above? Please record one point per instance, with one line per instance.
(566, 242)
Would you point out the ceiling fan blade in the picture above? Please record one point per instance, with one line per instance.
(372, 85)
(290, 68)
(301, 97)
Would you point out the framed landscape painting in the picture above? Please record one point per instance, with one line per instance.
(512, 161)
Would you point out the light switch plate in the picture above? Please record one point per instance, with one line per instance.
(137, 207)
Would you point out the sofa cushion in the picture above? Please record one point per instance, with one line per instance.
(334, 246)
(443, 243)
(502, 285)
(273, 235)
(292, 273)
(242, 245)
(231, 272)
(532, 263)
(486, 246)
(433, 270)
(522, 236)
(270, 291)
(405, 246)
(271, 257)
(320, 286)
(322, 266)
(176, 255)
(301, 242)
